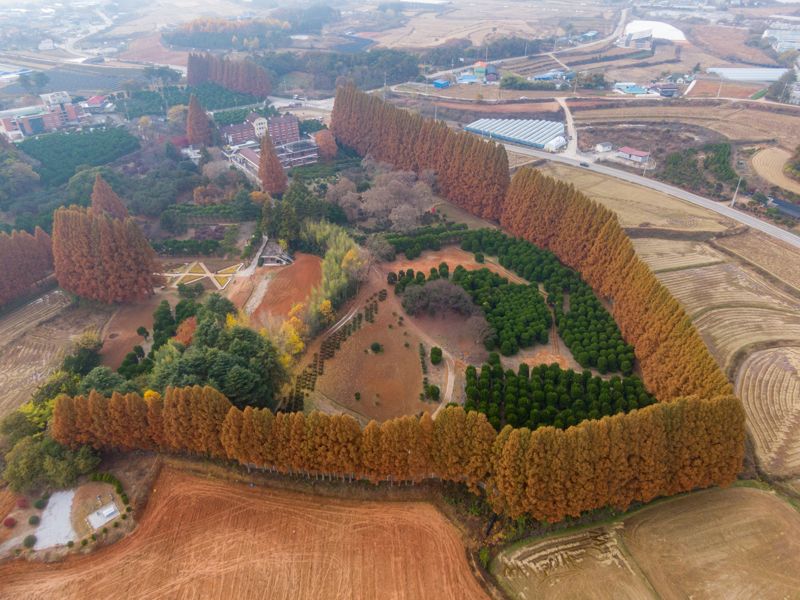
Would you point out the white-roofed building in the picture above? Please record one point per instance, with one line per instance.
(535, 133)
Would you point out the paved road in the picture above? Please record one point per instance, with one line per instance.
(723, 209)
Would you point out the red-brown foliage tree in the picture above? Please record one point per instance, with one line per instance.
(270, 171)
(238, 75)
(470, 171)
(106, 201)
(101, 258)
(326, 143)
(198, 125)
(26, 261)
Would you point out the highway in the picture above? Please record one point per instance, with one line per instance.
(723, 209)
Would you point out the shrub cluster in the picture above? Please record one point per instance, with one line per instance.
(517, 313)
(587, 328)
(432, 237)
(548, 395)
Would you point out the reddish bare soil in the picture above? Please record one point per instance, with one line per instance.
(389, 382)
(7, 500)
(290, 285)
(203, 538)
(453, 256)
(150, 49)
(119, 336)
(286, 287)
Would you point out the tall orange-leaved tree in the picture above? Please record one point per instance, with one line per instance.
(270, 171)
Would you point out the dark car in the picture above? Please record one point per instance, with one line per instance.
(585, 164)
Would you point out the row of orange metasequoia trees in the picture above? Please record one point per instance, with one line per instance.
(243, 76)
(100, 253)
(694, 437)
(25, 261)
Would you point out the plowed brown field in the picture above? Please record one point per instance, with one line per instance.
(208, 539)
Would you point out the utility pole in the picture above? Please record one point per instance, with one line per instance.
(384, 86)
(736, 191)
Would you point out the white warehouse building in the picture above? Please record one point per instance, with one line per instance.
(536, 133)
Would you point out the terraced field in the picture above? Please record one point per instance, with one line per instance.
(720, 543)
(773, 374)
(23, 318)
(27, 359)
(727, 285)
(751, 323)
(729, 331)
(586, 564)
(671, 255)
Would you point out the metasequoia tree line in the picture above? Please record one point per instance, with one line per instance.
(25, 260)
(100, 253)
(470, 171)
(547, 473)
(198, 126)
(693, 437)
(242, 76)
(270, 170)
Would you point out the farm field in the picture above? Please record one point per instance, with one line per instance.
(720, 543)
(237, 541)
(769, 163)
(637, 206)
(773, 374)
(149, 49)
(773, 256)
(665, 58)
(475, 22)
(589, 564)
(27, 360)
(719, 88)
(750, 324)
(733, 120)
(728, 43)
(465, 91)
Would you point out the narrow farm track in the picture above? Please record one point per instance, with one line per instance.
(209, 539)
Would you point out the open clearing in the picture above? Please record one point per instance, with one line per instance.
(769, 164)
(290, 285)
(721, 543)
(210, 539)
(637, 206)
(120, 333)
(388, 382)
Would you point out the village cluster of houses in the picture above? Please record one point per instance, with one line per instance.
(56, 111)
